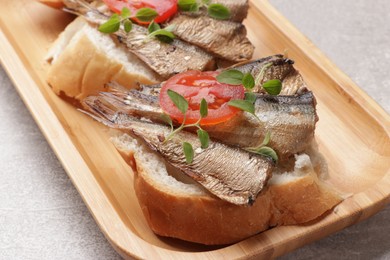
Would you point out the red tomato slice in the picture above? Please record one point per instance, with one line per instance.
(165, 8)
(194, 86)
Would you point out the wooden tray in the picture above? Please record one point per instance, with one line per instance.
(353, 134)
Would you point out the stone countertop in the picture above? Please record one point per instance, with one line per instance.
(355, 35)
(43, 217)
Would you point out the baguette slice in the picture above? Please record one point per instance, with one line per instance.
(83, 60)
(176, 207)
(57, 4)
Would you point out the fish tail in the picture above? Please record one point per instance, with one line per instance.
(116, 95)
(116, 102)
(153, 90)
(116, 88)
(108, 114)
(80, 7)
(100, 111)
(129, 100)
(78, 3)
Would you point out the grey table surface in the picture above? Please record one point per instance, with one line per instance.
(43, 217)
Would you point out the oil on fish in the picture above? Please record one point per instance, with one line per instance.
(219, 168)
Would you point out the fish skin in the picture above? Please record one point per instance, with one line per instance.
(291, 120)
(133, 102)
(229, 173)
(224, 39)
(279, 68)
(165, 59)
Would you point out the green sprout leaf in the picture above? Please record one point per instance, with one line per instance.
(263, 149)
(273, 87)
(167, 119)
(267, 151)
(188, 152)
(153, 26)
(242, 104)
(248, 81)
(251, 97)
(170, 28)
(163, 35)
(112, 25)
(125, 13)
(188, 5)
(260, 76)
(203, 108)
(267, 139)
(232, 77)
(146, 14)
(128, 25)
(203, 138)
(180, 102)
(218, 11)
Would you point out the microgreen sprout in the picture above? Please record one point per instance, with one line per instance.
(263, 149)
(113, 24)
(182, 104)
(164, 35)
(236, 77)
(216, 11)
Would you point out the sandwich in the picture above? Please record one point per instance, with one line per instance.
(222, 147)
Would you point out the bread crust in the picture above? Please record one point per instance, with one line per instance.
(208, 220)
(58, 4)
(301, 201)
(83, 68)
(200, 219)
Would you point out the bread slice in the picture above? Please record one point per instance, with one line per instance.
(178, 207)
(53, 3)
(83, 60)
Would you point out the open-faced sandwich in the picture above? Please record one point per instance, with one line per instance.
(222, 147)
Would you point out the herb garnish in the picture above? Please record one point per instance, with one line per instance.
(273, 86)
(250, 96)
(182, 104)
(113, 24)
(236, 77)
(188, 5)
(260, 77)
(153, 26)
(216, 11)
(146, 14)
(188, 152)
(164, 35)
(244, 105)
(263, 149)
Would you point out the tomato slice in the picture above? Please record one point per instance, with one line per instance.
(194, 86)
(165, 8)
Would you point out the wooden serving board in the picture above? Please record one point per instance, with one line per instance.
(353, 135)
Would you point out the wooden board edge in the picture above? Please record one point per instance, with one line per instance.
(132, 247)
(13, 69)
(323, 62)
(74, 165)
